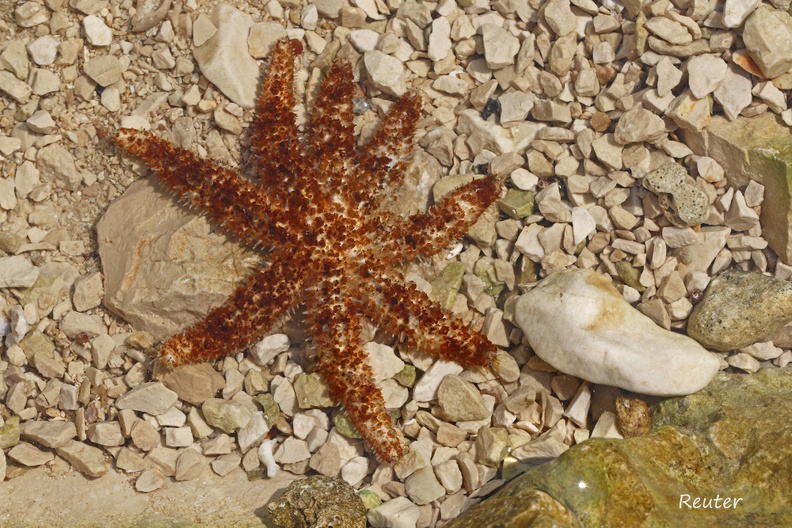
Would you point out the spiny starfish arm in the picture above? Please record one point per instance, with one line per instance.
(430, 232)
(385, 155)
(404, 310)
(330, 138)
(336, 328)
(253, 309)
(273, 132)
(237, 205)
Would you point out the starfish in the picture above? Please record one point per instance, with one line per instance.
(320, 202)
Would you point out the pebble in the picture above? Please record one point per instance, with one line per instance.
(105, 434)
(29, 455)
(49, 434)
(740, 309)
(734, 94)
(254, 431)
(264, 351)
(500, 47)
(637, 125)
(398, 512)
(767, 35)
(96, 31)
(384, 362)
(178, 437)
(668, 30)
(422, 486)
(152, 398)
(311, 391)
(17, 90)
(228, 416)
(459, 400)
(56, 163)
(43, 50)
(190, 465)
(744, 362)
(144, 436)
(225, 464)
(385, 72)
(492, 445)
(17, 272)
(576, 321)
(84, 458)
(292, 450)
(150, 479)
(104, 70)
(194, 383)
(427, 386)
(224, 57)
(560, 17)
(705, 74)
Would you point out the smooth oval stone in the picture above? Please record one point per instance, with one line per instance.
(739, 309)
(576, 321)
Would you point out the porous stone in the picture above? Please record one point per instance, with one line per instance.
(739, 309)
(318, 501)
(578, 322)
(682, 201)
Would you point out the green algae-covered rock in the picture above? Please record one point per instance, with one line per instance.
(757, 148)
(729, 440)
(446, 285)
(317, 502)
(484, 269)
(9, 433)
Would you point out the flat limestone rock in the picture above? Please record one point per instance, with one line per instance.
(164, 267)
(576, 321)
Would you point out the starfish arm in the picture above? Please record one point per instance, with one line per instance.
(330, 138)
(251, 311)
(335, 328)
(386, 154)
(403, 310)
(230, 201)
(430, 232)
(274, 136)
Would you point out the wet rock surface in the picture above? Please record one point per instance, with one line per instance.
(699, 447)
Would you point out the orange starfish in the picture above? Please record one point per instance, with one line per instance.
(318, 203)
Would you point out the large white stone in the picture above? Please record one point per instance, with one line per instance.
(576, 321)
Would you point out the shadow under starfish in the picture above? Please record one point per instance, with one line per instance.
(317, 200)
